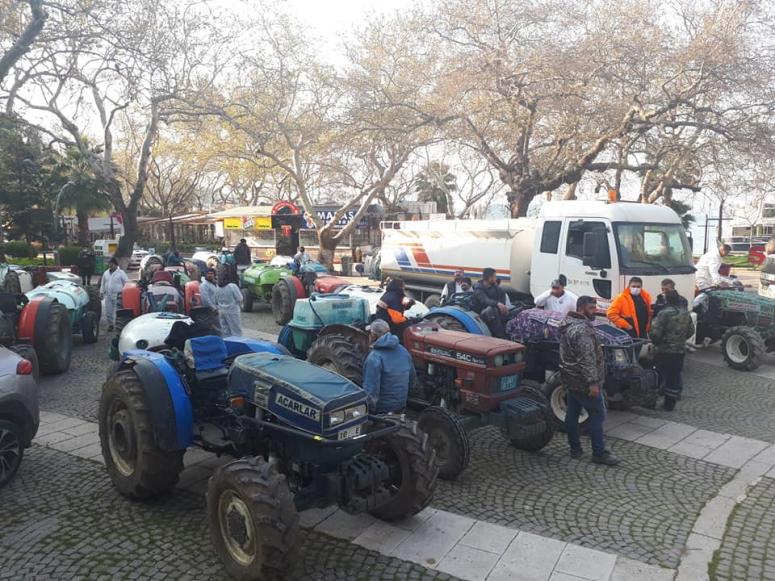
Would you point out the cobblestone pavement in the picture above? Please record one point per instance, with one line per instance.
(76, 526)
(748, 548)
(724, 400)
(643, 509)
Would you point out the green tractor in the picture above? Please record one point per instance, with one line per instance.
(257, 281)
(743, 322)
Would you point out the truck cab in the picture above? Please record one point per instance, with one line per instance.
(599, 246)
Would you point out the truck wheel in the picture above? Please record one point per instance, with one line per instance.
(11, 450)
(253, 520)
(135, 464)
(283, 299)
(90, 327)
(95, 303)
(55, 346)
(743, 348)
(12, 283)
(448, 438)
(413, 470)
(338, 354)
(28, 352)
(554, 391)
(247, 301)
(446, 322)
(536, 442)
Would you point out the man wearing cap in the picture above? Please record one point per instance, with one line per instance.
(388, 373)
(111, 285)
(453, 286)
(557, 299)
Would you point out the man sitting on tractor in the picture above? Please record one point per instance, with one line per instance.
(388, 372)
(490, 302)
(392, 305)
(557, 299)
(708, 276)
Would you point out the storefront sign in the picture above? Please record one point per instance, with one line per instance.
(284, 208)
(257, 223)
(326, 215)
(232, 223)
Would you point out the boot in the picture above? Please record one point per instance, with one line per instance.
(669, 404)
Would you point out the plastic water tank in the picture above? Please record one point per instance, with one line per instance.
(321, 310)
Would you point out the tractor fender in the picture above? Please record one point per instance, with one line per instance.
(131, 298)
(297, 287)
(358, 337)
(241, 345)
(470, 320)
(29, 315)
(192, 296)
(169, 407)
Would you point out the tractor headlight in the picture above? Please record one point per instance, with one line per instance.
(620, 357)
(346, 415)
(141, 344)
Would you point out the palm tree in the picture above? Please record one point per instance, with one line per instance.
(435, 183)
(83, 192)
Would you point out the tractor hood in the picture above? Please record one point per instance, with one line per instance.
(149, 330)
(66, 275)
(70, 294)
(264, 274)
(457, 346)
(301, 394)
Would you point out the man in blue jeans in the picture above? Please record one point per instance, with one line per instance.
(582, 368)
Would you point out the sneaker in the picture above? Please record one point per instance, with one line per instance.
(576, 454)
(606, 459)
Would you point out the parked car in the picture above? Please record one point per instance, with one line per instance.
(18, 408)
(137, 256)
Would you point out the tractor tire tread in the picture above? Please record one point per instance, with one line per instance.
(282, 302)
(338, 350)
(754, 340)
(52, 359)
(458, 437)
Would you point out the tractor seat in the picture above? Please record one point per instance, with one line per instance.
(162, 276)
(206, 356)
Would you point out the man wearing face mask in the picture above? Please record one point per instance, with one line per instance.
(632, 310)
(453, 286)
(582, 368)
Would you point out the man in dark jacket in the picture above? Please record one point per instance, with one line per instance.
(242, 253)
(668, 285)
(582, 368)
(669, 332)
(388, 372)
(453, 286)
(489, 300)
(86, 264)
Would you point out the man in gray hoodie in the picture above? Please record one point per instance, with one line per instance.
(582, 368)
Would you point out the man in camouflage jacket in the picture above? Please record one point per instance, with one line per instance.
(669, 332)
(582, 369)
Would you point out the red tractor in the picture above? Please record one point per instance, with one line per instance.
(465, 382)
(165, 292)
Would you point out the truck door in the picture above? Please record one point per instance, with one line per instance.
(586, 262)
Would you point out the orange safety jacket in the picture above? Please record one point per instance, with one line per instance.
(622, 311)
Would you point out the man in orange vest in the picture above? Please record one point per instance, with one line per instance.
(632, 310)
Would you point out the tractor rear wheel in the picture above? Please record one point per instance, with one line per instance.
(743, 348)
(446, 322)
(536, 442)
(90, 327)
(247, 300)
(135, 464)
(337, 353)
(283, 300)
(413, 469)
(55, 345)
(448, 438)
(253, 520)
(95, 303)
(555, 392)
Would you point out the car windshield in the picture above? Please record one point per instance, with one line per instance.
(645, 247)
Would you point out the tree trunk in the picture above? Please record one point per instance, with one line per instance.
(328, 245)
(519, 203)
(720, 220)
(83, 226)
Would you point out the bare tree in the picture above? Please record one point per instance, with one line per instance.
(21, 42)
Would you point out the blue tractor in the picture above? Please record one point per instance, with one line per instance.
(301, 435)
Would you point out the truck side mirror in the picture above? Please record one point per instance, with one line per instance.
(593, 251)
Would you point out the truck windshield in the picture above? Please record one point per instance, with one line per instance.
(653, 247)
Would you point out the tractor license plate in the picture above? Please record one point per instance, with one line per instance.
(509, 382)
(349, 433)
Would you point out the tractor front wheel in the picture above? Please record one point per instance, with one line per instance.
(95, 302)
(339, 354)
(90, 327)
(135, 464)
(536, 442)
(413, 470)
(743, 348)
(283, 300)
(448, 438)
(556, 393)
(247, 300)
(55, 345)
(253, 520)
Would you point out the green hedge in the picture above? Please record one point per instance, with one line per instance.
(68, 255)
(29, 261)
(18, 249)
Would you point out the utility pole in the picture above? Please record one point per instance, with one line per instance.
(112, 232)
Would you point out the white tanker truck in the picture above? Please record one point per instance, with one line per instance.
(598, 246)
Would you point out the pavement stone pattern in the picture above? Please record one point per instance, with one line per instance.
(76, 526)
(643, 509)
(747, 550)
(720, 399)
